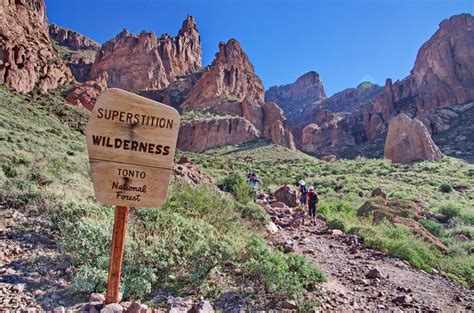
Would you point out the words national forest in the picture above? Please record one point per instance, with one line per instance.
(236, 156)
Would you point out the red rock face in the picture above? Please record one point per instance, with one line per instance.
(352, 99)
(204, 134)
(85, 95)
(146, 62)
(443, 76)
(71, 39)
(332, 133)
(230, 87)
(27, 57)
(409, 140)
(230, 78)
(296, 98)
(81, 51)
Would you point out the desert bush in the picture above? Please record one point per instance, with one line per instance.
(446, 188)
(252, 212)
(336, 224)
(450, 210)
(236, 184)
(278, 273)
(433, 227)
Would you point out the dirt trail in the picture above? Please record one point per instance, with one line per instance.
(394, 284)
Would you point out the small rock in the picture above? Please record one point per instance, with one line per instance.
(183, 160)
(403, 300)
(373, 274)
(137, 307)
(59, 309)
(97, 297)
(289, 305)
(271, 228)
(277, 204)
(337, 232)
(379, 192)
(112, 308)
(203, 306)
(18, 288)
(38, 293)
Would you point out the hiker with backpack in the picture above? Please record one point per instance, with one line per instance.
(254, 180)
(312, 200)
(301, 193)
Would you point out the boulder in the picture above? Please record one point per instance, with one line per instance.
(289, 305)
(271, 228)
(287, 195)
(409, 140)
(379, 192)
(112, 308)
(203, 306)
(373, 274)
(137, 307)
(381, 208)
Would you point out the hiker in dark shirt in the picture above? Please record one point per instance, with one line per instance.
(312, 200)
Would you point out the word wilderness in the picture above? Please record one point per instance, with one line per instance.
(131, 142)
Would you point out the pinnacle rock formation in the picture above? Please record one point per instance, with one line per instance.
(297, 97)
(229, 86)
(27, 56)
(142, 62)
(409, 140)
(441, 78)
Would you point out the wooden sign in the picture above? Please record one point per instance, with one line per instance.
(131, 142)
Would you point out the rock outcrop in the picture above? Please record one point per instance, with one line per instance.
(78, 51)
(200, 135)
(229, 86)
(27, 57)
(442, 77)
(85, 95)
(146, 62)
(352, 99)
(409, 140)
(332, 133)
(71, 39)
(296, 98)
(230, 79)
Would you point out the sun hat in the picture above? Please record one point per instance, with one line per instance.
(302, 182)
(311, 188)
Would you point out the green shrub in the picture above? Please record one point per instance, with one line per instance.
(433, 227)
(253, 212)
(236, 184)
(450, 211)
(284, 275)
(90, 279)
(447, 188)
(336, 224)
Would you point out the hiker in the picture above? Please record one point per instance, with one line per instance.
(254, 180)
(312, 200)
(301, 193)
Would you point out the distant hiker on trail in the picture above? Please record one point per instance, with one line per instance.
(301, 193)
(254, 180)
(312, 200)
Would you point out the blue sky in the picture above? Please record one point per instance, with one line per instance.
(345, 41)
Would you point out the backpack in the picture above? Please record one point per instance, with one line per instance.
(313, 198)
(303, 189)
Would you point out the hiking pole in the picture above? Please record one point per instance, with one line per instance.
(116, 254)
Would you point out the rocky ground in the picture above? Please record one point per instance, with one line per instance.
(362, 278)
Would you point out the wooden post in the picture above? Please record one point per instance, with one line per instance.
(116, 254)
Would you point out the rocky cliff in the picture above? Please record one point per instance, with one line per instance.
(296, 98)
(27, 56)
(142, 62)
(438, 90)
(230, 86)
(77, 51)
(443, 76)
